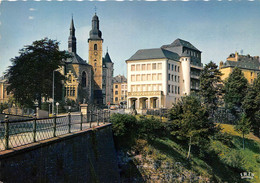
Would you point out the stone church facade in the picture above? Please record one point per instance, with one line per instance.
(88, 82)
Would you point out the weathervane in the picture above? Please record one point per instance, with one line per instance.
(95, 10)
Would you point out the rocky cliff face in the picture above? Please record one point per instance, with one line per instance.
(145, 166)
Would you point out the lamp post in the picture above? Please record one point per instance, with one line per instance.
(53, 92)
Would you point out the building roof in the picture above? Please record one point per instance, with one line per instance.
(75, 59)
(107, 58)
(244, 64)
(156, 53)
(179, 42)
(119, 79)
(242, 61)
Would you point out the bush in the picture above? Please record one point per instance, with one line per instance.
(149, 128)
(124, 128)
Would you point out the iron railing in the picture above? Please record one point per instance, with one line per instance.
(23, 132)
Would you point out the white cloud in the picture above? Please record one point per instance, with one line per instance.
(30, 17)
(32, 9)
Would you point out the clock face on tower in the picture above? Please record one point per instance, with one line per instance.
(95, 53)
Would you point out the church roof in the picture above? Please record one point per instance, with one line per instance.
(75, 59)
(107, 58)
(179, 42)
(155, 53)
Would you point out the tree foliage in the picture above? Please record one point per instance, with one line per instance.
(251, 105)
(190, 121)
(210, 89)
(243, 126)
(30, 75)
(235, 91)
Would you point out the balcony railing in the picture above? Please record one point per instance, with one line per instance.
(145, 93)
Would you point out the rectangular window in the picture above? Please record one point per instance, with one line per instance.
(175, 90)
(160, 66)
(160, 87)
(138, 67)
(132, 67)
(251, 73)
(178, 68)
(154, 66)
(143, 67)
(169, 88)
(175, 68)
(175, 78)
(169, 66)
(149, 77)
(132, 77)
(116, 99)
(178, 90)
(148, 67)
(178, 79)
(133, 88)
(138, 77)
(159, 76)
(169, 77)
(172, 67)
(149, 87)
(172, 88)
(154, 77)
(143, 77)
(116, 86)
(116, 92)
(154, 87)
(144, 87)
(172, 77)
(138, 88)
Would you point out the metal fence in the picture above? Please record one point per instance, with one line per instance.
(162, 112)
(22, 132)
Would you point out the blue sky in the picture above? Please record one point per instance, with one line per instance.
(215, 28)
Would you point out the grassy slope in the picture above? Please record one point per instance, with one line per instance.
(221, 163)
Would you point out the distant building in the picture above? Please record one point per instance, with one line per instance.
(4, 95)
(249, 65)
(119, 89)
(158, 77)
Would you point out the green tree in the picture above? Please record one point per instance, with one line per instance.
(251, 105)
(235, 89)
(31, 73)
(189, 121)
(210, 90)
(243, 126)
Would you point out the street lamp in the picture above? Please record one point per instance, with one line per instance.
(53, 74)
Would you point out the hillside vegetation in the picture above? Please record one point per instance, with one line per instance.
(149, 153)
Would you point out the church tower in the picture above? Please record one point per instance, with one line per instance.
(72, 38)
(95, 58)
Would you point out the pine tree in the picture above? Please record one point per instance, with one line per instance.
(189, 121)
(251, 105)
(210, 89)
(235, 89)
(243, 126)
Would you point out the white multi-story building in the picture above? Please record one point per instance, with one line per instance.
(157, 78)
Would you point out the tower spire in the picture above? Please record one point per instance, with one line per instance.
(95, 33)
(72, 38)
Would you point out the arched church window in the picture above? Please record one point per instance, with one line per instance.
(95, 46)
(84, 79)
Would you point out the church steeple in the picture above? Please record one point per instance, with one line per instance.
(95, 33)
(72, 39)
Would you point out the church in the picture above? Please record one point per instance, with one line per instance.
(88, 82)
